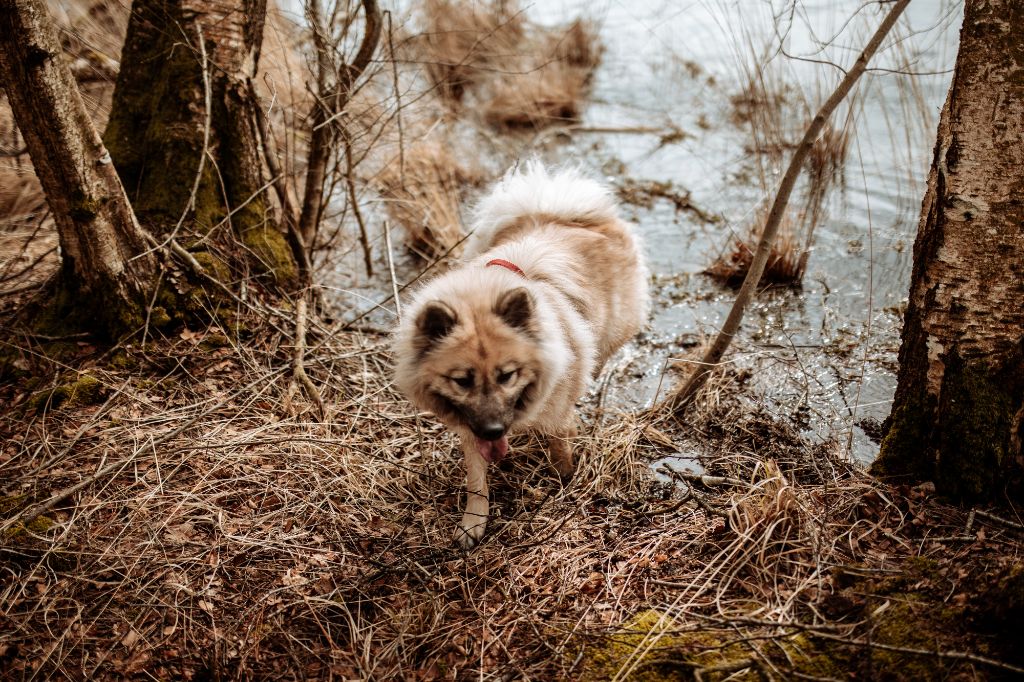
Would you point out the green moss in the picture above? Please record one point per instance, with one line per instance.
(214, 266)
(84, 209)
(10, 504)
(906, 450)
(271, 249)
(67, 311)
(622, 648)
(119, 359)
(910, 608)
(214, 341)
(159, 317)
(676, 654)
(1001, 606)
(153, 135)
(86, 390)
(977, 422)
(19, 532)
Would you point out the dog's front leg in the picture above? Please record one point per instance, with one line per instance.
(474, 519)
(560, 450)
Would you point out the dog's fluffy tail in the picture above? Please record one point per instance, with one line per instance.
(564, 194)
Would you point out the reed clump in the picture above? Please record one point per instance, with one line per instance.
(423, 192)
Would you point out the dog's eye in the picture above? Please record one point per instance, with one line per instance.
(464, 381)
(505, 377)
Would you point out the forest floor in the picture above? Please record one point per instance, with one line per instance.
(170, 508)
(200, 524)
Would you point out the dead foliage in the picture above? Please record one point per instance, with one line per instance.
(522, 75)
(235, 538)
(423, 192)
(644, 193)
(549, 94)
(773, 112)
(551, 85)
(462, 42)
(786, 262)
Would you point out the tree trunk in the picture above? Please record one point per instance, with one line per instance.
(159, 126)
(103, 249)
(958, 414)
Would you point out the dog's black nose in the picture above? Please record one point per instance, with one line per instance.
(492, 431)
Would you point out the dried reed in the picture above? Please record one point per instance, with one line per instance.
(424, 196)
(461, 41)
(766, 109)
(551, 84)
(785, 262)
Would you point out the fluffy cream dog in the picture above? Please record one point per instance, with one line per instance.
(551, 285)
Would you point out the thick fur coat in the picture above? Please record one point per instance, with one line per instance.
(552, 283)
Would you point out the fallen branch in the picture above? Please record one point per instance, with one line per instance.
(998, 519)
(678, 402)
(299, 376)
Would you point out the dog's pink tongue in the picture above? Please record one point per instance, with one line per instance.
(492, 450)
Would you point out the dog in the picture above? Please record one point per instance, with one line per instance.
(552, 282)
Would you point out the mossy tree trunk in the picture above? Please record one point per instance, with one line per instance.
(159, 128)
(104, 253)
(958, 414)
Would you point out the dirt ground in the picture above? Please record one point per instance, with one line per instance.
(170, 508)
(195, 525)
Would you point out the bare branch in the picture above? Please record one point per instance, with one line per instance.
(330, 102)
(678, 402)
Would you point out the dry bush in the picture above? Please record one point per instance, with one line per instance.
(424, 194)
(528, 76)
(578, 45)
(774, 113)
(463, 41)
(787, 260)
(553, 82)
(785, 264)
(547, 95)
(768, 514)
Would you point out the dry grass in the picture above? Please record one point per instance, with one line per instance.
(550, 94)
(462, 42)
(524, 75)
(240, 540)
(423, 192)
(786, 260)
(773, 113)
(552, 84)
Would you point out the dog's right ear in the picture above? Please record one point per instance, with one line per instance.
(434, 322)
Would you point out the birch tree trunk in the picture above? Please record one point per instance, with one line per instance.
(958, 414)
(185, 145)
(103, 249)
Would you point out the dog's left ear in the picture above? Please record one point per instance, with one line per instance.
(436, 321)
(515, 307)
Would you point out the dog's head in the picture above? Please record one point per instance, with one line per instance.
(476, 362)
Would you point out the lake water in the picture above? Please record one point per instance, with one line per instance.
(829, 347)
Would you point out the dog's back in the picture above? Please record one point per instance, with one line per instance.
(563, 229)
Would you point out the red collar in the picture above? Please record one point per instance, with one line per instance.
(508, 265)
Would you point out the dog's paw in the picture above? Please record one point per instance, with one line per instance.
(469, 531)
(565, 468)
